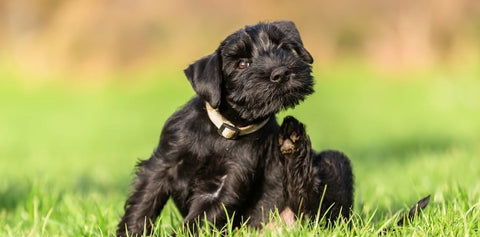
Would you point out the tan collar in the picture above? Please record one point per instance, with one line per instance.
(226, 128)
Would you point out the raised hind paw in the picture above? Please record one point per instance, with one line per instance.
(292, 136)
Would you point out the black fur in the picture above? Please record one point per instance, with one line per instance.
(206, 174)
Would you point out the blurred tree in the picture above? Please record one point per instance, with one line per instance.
(105, 35)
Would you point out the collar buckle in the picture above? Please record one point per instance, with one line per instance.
(228, 131)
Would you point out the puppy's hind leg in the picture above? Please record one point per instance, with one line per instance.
(311, 179)
(146, 202)
(300, 175)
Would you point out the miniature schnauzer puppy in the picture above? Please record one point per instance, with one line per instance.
(221, 157)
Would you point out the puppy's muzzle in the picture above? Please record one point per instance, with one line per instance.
(280, 74)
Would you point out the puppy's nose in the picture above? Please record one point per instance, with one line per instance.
(280, 74)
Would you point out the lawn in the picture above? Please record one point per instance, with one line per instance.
(67, 150)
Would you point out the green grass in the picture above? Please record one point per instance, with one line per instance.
(67, 152)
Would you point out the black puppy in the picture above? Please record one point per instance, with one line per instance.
(220, 154)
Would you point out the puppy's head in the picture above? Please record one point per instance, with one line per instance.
(255, 72)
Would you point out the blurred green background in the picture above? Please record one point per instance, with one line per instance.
(85, 87)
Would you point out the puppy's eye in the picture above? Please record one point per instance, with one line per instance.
(243, 64)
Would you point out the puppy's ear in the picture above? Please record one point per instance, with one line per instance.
(290, 30)
(205, 75)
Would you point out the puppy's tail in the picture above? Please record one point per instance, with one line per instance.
(414, 211)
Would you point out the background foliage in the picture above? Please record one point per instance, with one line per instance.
(100, 36)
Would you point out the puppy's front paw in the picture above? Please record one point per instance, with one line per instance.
(291, 136)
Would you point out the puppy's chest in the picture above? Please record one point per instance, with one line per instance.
(234, 153)
(217, 157)
(232, 158)
(207, 175)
